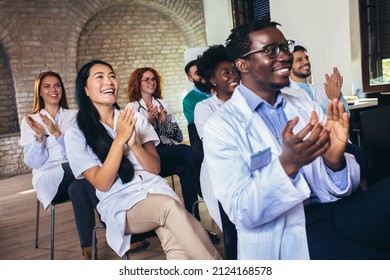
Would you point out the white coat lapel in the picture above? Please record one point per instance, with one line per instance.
(257, 132)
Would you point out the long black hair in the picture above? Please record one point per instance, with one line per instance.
(88, 120)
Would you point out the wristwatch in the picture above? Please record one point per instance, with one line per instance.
(40, 139)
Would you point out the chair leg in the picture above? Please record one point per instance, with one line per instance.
(93, 242)
(194, 205)
(99, 225)
(53, 209)
(37, 224)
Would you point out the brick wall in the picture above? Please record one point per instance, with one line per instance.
(127, 34)
(8, 113)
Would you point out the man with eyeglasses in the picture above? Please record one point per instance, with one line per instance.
(268, 152)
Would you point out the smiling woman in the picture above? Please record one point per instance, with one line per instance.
(216, 68)
(42, 138)
(122, 163)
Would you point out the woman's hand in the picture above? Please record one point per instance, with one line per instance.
(125, 126)
(37, 127)
(152, 112)
(162, 115)
(51, 126)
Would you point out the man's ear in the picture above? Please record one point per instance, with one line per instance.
(241, 65)
(212, 81)
(190, 79)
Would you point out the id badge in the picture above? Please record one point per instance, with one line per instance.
(260, 159)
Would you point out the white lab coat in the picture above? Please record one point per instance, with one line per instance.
(320, 96)
(264, 204)
(48, 177)
(114, 203)
(203, 111)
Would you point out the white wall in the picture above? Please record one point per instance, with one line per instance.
(219, 20)
(329, 30)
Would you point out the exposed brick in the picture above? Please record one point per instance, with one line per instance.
(128, 34)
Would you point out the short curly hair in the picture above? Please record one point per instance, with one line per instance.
(209, 60)
(238, 43)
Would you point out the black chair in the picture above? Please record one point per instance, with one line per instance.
(197, 150)
(229, 235)
(376, 139)
(360, 157)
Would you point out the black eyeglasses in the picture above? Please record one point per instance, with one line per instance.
(148, 80)
(273, 49)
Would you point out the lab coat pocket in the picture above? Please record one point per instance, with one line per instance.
(260, 159)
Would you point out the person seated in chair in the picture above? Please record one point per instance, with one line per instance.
(115, 151)
(216, 68)
(197, 94)
(290, 186)
(42, 138)
(299, 82)
(144, 93)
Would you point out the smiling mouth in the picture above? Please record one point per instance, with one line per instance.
(282, 70)
(108, 91)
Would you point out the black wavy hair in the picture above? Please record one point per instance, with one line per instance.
(88, 120)
(209, 60)
(238, 43)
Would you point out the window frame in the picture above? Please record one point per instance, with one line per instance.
(365, 54)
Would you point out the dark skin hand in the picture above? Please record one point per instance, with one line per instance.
(298, 151)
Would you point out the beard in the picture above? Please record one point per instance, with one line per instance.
(202, 87)
(300, 74)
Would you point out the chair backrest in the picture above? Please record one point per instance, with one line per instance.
(360, 157)
(376, 140)
(229, 235)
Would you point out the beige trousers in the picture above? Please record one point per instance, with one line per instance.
(182, 236)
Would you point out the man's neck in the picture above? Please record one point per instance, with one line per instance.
(268, 95)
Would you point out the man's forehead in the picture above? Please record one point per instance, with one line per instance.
(300, 53)
(193, 68)
(266, 36)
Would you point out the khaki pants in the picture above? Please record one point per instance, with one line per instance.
(182, 236)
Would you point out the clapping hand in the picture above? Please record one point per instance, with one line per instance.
(305, 146)
(162, 114)
(51, 126)
(125, 127)
(333, 84)
(152, 112)
(338, 124)
(37, 127)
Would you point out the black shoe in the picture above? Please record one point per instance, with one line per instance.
(213, 237)
(138, 246)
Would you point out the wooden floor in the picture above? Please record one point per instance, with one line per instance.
(17, 227)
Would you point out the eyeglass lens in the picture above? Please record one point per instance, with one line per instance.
(273, 50)
(148, 80)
